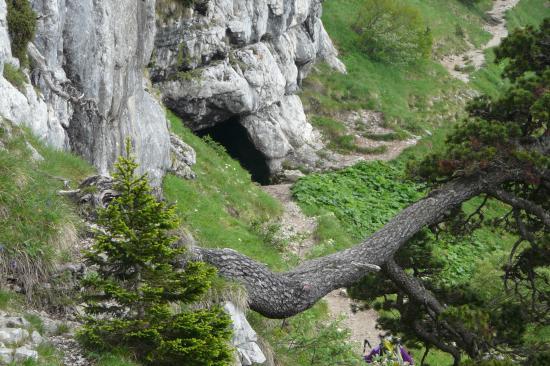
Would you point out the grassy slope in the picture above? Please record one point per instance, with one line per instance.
(36, 225)
(222, 207)
(527, 12)
(408, 95)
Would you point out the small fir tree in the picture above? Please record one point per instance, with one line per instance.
(131, 294)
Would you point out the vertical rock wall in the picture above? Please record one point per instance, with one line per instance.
(244, 58)
(89, 59)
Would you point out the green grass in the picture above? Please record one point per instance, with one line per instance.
(5, 299)
(308, 338)
(15, 76)
(528, 12)
(412, 97)
(36, 224)
(47, 356)
(114, 359)
(488, 80)
(222, 207)
(35, 322)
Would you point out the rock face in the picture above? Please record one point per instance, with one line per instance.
(243, 59)
(244, 338)
(89, 59)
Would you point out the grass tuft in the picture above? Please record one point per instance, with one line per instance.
(15, 76)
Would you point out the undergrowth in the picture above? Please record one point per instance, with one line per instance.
(15, 76)
(37, 226)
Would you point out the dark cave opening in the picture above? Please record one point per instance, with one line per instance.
(234, 137)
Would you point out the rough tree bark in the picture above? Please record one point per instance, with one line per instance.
(283, 294)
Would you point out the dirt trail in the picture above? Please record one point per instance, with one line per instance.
(475, 57)
(300, 229)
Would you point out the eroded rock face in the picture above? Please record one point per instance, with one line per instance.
(90, 58)
(242, 58)
(244, 338)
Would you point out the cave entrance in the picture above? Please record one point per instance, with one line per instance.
(234, 137)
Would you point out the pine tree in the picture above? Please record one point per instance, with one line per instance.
(130, 297)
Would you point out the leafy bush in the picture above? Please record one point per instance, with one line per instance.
(363, 197)
(393, 32)
(21, 27)
(130, 297)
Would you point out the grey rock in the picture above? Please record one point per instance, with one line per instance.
(243, 59)
(244, 337)
(13, 335)
(6, 355)
(13, 322)
(23, 353)
(280, 130)
(89, 63)
(292, 175)
(183, 158)
(247, 82)
(5, 49)
(36, 338)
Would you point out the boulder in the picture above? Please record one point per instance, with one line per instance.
(13, 335)
(23, 354)
(244, 338)
(6, 355)
(183, 158)
(280, 130)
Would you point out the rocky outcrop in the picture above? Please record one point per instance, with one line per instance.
(244, 338)
(243, 59)
(18, 340)
(88, 90)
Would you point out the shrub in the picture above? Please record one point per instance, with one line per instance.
(130, 298)
(21, 27)
(393, 32)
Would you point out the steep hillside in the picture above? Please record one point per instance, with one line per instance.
(238, 72)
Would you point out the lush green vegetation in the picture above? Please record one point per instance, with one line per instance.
(21, 26)
(412, 97)
(307, 339)
(15, 76)
(222, 207)
(527, 12)
(393, 32)
(364, 197)
(37, 226)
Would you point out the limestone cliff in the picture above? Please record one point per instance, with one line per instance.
(245, 60)
(88, 88)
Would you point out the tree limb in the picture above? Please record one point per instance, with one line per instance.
(424, 297)
(521, 203)
(280, 295)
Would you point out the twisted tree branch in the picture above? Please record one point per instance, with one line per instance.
(283, 294)
(521, 203)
